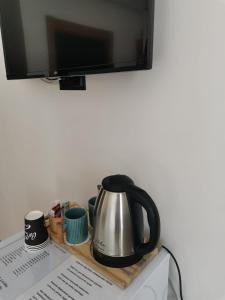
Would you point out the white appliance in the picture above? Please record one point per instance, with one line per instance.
(54, 272)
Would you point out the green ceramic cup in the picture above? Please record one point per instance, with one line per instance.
(76, 225)
(91, 207)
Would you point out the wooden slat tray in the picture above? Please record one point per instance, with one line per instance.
(120, 277)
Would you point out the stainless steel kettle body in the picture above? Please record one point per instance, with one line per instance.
(118, 239)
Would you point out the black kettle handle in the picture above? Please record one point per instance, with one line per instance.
(141, 197)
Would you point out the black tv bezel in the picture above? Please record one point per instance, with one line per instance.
(91, 70)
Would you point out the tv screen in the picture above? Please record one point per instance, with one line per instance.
(53, 38)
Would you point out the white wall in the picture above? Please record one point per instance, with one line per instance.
(164, 128)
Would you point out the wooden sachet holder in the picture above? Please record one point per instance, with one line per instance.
(122, 277)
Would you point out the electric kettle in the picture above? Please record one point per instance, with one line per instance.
(118, 238)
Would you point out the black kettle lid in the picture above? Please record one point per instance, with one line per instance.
(116, 183)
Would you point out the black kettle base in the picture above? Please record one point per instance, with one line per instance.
(116, 262)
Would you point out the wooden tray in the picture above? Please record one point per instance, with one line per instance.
(120, 277)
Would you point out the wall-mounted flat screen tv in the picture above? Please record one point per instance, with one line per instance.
(54, 38)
